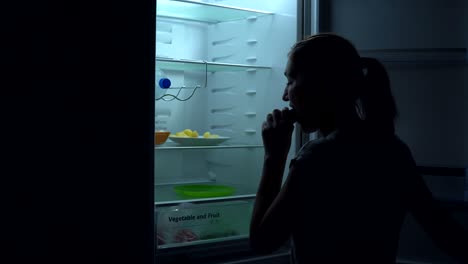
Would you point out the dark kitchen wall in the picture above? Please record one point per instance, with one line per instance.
(431, 98)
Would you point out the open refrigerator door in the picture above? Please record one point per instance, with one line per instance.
(219, 71)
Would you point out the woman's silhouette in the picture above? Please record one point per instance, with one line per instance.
(348, 192)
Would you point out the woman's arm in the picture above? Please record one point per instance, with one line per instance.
(270, 227)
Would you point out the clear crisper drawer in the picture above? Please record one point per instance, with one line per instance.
(191, 224)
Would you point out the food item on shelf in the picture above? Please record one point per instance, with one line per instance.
(160, 137)
(185, 235)
(227, 233)
(188, 132)
(209, 135)
(203, 190)
(194, 134)
(181, 134)
(161, 239)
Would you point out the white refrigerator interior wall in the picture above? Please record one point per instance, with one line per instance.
(233, 103)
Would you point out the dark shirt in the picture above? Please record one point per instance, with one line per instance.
(352, 193)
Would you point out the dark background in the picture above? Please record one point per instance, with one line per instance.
(77, 107)
(76, 120)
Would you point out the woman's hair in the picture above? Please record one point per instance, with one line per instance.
(345, 77)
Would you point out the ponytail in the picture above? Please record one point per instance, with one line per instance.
(376, 99)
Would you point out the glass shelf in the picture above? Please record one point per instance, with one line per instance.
(202, 242)
(206, 200)
(202, 66)
(175, 146)
(166, 196)
(204, 12)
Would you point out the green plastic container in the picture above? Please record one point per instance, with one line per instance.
(203, 190)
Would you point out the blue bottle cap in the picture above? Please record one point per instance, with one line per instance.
(164, 83)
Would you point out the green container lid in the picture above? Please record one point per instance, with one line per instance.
(203, 190)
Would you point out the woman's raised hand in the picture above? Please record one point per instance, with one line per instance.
(277, 132)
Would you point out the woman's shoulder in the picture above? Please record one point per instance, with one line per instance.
(315, 149)
(328, 148)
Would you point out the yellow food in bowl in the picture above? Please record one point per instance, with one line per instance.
(209, 135)
(188, 132)
(181, 134)
(194, 134)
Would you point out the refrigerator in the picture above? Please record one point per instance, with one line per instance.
(219, 71)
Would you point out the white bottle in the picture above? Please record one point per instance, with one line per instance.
(162, 83)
